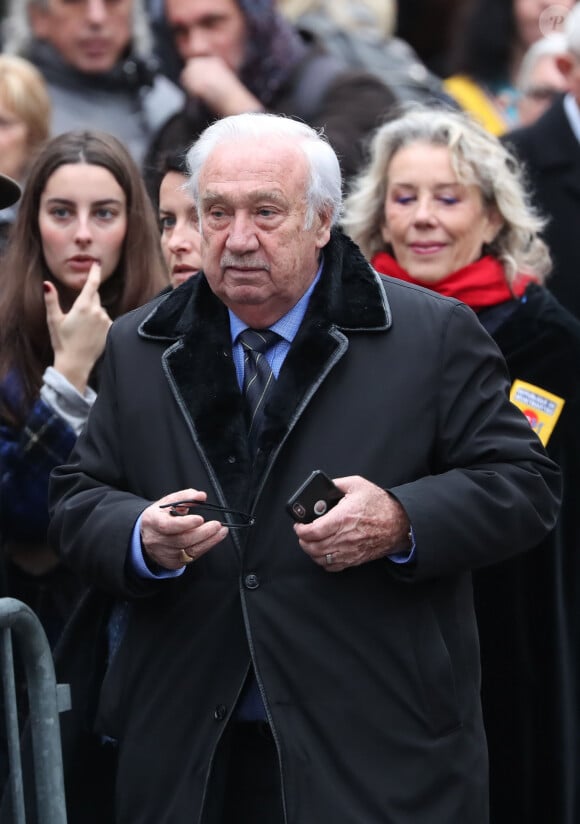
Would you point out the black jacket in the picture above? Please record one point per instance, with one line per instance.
(550, 152)
(370, 677)
(527, 607)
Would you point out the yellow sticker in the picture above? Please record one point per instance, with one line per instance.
(541, 408)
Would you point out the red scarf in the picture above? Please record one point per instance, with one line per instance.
(478, 284)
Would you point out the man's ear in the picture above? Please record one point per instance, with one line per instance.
(565, 64)
(322, 233)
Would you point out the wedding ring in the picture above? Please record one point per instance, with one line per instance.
(328, 558)
(187, 559)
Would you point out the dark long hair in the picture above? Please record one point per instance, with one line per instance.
(25, 348)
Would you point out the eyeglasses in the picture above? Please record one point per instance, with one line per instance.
(181, 508)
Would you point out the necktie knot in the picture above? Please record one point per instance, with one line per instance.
(258, 340)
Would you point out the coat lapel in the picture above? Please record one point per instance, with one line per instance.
(198, 363)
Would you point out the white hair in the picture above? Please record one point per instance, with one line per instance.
(572, 30)
(324, 193)
(17, 33)
(550, 46)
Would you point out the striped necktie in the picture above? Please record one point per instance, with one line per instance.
(258, 376)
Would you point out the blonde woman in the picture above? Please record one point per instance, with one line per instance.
(442, 206)
(24, 123)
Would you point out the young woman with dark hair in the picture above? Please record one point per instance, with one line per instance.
(85, 249)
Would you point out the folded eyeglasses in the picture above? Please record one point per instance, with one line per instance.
(240, 520)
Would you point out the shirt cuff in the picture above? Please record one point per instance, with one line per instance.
(66, 400)
(405, 557)
(137, 564)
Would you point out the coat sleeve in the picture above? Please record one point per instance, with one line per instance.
(495, 491)
(92, 511)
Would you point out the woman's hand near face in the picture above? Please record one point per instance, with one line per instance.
(77, 336)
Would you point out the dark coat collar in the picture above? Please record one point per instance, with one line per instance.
(555, 144)
(349, 297)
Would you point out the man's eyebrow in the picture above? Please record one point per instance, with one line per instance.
(272, 195)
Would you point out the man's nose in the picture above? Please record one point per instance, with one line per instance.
(242, 235)
(197, 43)
(96, 11)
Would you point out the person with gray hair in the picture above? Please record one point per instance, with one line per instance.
(299, 652)
(97, 60)
(442, 205)
(540, 81)
(549, 149)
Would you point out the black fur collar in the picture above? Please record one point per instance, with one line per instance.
(349, 297)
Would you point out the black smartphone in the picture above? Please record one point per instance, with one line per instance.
(313, 498)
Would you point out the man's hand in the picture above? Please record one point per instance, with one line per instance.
(212, 80)
(174, 542)
(366, 524)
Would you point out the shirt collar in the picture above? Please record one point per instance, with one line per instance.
(287, 326)
(573, 114)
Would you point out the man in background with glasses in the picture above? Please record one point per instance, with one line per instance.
(266, 671)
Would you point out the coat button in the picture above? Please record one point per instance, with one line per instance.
(220, 712)
(231, 459)
(251, 581)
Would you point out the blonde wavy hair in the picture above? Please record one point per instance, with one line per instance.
(24, 93)
(477, 157)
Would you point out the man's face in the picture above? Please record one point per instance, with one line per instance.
(543, 86)
(256, 253)
(90, 35)
(208, 28)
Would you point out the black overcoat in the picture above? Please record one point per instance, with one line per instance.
(527, 606)
(550, 152)
(370, 677)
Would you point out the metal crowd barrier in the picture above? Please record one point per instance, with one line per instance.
(46, 699)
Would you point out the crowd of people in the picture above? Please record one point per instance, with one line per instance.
(243, 240)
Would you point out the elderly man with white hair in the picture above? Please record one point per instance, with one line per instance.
(540, 80)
